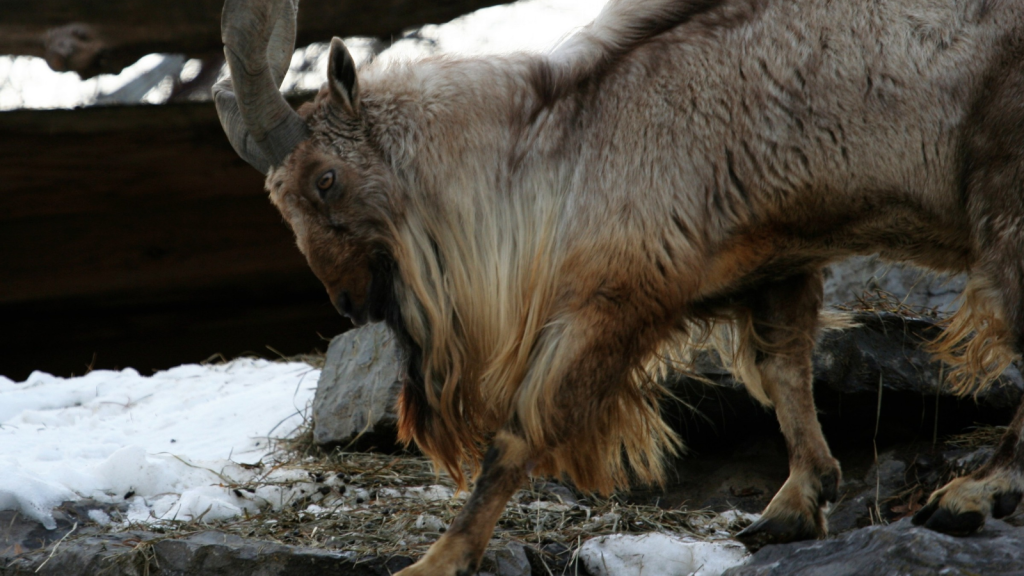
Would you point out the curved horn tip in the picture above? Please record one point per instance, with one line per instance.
(259, 41)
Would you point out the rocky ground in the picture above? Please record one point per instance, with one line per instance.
(371, 509)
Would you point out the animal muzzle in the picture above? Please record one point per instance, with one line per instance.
(343, 303)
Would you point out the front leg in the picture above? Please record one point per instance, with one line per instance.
(783, 322)
(584, 410)
(459, 550)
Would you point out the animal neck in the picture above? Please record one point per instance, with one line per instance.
(450, 124)
(481, 178)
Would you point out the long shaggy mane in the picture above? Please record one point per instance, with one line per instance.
(477, 282)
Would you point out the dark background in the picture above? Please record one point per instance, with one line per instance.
(134, 236)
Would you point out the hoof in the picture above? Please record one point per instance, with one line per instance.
(936, 517)
(829, 487)
(1005, 504)
(942, 520)
(960, 507)
(926, 512)
(795, 513)
(777, 530)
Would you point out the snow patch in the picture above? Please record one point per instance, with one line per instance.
(100, 517)
(659, 554)
(31, 494)
(166, 444)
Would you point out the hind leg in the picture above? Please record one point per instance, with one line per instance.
(785, 318)
(961, 506)
(995, 206)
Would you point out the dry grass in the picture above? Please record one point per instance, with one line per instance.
(383, 505)
(879, 301)
(316, 358)
(377, 505)
(978, 436)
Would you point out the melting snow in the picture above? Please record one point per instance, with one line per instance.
(659, 554)
(165, 443)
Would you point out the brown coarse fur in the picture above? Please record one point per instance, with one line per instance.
(976, 341)
(542, 230)
(483, 252)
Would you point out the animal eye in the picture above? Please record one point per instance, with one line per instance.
(325, 181)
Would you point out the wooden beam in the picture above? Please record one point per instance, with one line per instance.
(138, 235)
(103, 36)
(125, 199)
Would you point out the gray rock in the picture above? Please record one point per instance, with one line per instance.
(848, 280)
(93, 553)
(507, 560)
(885, 478)
(554, 559)
(555, 492)
(21, 534)
(898, 549)
(358, 387)
(888, 348)
(881, 347)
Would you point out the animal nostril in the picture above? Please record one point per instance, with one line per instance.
(344, 302)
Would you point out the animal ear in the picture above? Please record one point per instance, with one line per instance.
(341, 76)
